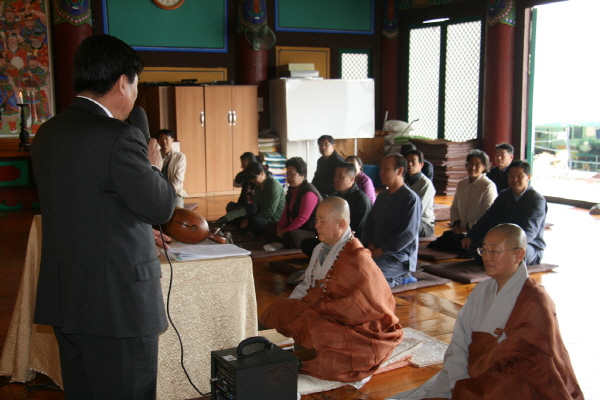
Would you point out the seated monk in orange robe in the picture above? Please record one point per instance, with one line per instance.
(344, 307)
(506, 342)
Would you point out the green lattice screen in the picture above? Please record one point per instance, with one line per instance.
(445, 80)
(355, 64)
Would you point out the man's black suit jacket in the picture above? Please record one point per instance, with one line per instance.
(99, 195)
(323, 179)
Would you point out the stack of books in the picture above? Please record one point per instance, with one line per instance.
(276, 163)
(298, 70)
(269, 147)
(449, 161)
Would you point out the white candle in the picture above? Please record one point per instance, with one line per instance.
(19, 97)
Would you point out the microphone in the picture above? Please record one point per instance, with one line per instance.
(248, 210)
(139, 119)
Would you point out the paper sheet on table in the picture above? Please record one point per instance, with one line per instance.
(183, 252)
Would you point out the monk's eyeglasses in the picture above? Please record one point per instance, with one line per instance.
(493, 253)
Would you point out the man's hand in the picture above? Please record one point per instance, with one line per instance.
(244, 223)
(279, 232)
(159, 241)
(375, 251)
(154, 154)
(466, 243)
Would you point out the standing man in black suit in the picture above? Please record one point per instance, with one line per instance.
(99, 283)
(326, 165)
(499, 174)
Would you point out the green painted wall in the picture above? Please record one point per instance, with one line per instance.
(196, 24)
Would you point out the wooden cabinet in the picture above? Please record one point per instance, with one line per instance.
(190, 131)
(214, 125)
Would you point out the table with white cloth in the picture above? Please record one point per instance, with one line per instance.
(212, 304)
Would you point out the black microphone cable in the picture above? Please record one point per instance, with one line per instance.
(169, 314)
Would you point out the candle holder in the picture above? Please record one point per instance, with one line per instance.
(24, 144)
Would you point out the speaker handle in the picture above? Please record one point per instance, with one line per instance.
(254, 340)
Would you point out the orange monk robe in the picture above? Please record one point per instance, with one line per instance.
(532, 363)
(353, 327)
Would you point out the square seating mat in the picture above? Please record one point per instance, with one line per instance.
(471, 271)
(427, 254)
(423, 280)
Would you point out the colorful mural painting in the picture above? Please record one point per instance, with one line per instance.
(25, 71)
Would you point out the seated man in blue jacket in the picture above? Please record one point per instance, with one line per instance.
(391, 231)
(520, 205)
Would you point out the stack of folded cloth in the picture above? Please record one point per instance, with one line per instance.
(448, 159)
(269, 143)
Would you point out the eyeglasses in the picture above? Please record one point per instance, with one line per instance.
(493, 253)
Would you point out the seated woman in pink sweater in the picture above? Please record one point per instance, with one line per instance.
(362, 180)
(298, 219)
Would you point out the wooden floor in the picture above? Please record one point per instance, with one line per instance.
(572, 243)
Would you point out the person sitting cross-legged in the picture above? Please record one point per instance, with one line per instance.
(503, 157)
(427, 168)
(423, 187)
(359, 203)
(474, 195)
(174, 164)
(269, 201)
(297, 221)
(362, 180)
(343, 307)
(391, 231)
(506, 342)
(521, 205)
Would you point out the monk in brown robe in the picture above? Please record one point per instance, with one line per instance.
(506, 342)
(344, 307)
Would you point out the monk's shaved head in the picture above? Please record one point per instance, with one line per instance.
(513, 234)
(338, 208)
(332, 220)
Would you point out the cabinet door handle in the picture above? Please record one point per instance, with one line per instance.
(201, 118)
(234, 118)
(229, 118)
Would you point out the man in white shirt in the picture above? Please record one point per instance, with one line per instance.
(174, 164)
(423, 187)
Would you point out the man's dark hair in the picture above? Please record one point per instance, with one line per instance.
(167, 132)
(100, 61)
(349, 167)
(326, 137)
(351, 159)
(417, 153)
(252, 170)
(521, 164)
(508, 147)
(400, 161)
(406, 148)
(248, 156)
(298, 163)
(485, 160)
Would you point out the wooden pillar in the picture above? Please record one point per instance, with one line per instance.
(71, 25)
(251, 64)
(498, 74)
(389, 61)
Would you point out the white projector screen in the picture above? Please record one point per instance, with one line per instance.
(305, 109)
